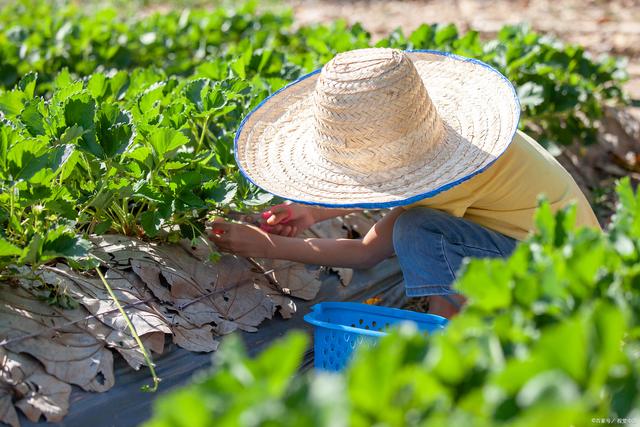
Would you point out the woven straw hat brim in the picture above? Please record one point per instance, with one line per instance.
(478, 107)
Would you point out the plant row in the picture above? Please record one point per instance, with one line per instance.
(561, 88)
(135, 153)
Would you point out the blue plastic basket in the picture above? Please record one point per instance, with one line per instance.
(340, 327)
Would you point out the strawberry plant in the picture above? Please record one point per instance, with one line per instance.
(549, 336)
(48, 36)
(156, 154)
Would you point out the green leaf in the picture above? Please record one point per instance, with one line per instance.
(215, 70)
(422, 37)
(97, 85)
(190, 199)
(281, 361)
(61, 206)
(80, 111)
(28, 84)
(194, 91)
(32, 252)
(32, 117)
(445, 35)
(141, 154)
(166, 141)
(151, 222)
(26, 158)
(259, 199)
(545, 222)
(239, 67)
(12, 102)
(65, 87)
(609, 329)
(146, 191)
(103, 227)
(175, 165)
(571, 334)
(188, 400)
(61, 242)
(114, 130)
(118, 84)
(222, 193)
(214, 99)
(70, 160)
(486, 285)
(71, 134)
(549, 387)
(150, 103)
(531, 94)
(8, 249)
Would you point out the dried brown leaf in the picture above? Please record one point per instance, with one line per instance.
(169, 271)
(225, 327)
(201, 250)
(197, 339)
(197, 313)
(287, 306)
(108, 325)
(292, 278)
(36, 392)
(91, 293)
(8, 414)
(176, 277)
(28, 325)
(247, 305)
(344, 274)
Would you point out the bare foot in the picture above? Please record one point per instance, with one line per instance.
(442, 307)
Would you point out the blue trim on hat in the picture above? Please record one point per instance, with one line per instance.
(394, 203)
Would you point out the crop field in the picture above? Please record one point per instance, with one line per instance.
(116, 149)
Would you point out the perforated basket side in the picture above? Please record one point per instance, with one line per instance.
(341, 327)
(334, 349)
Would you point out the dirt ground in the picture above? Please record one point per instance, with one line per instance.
(604, 27)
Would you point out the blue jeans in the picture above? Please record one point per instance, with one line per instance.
(431, 244)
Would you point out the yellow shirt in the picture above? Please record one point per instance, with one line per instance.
(504, 197)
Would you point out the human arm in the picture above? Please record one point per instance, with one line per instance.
(246, 240)
(291, 219)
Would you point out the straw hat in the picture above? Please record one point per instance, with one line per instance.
(378, 128)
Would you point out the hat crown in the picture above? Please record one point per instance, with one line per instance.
(372, 111)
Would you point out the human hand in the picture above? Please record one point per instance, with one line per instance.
(288, 219)
(241, 239)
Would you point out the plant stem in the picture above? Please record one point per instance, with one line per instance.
(145, 354)
(203, 133)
